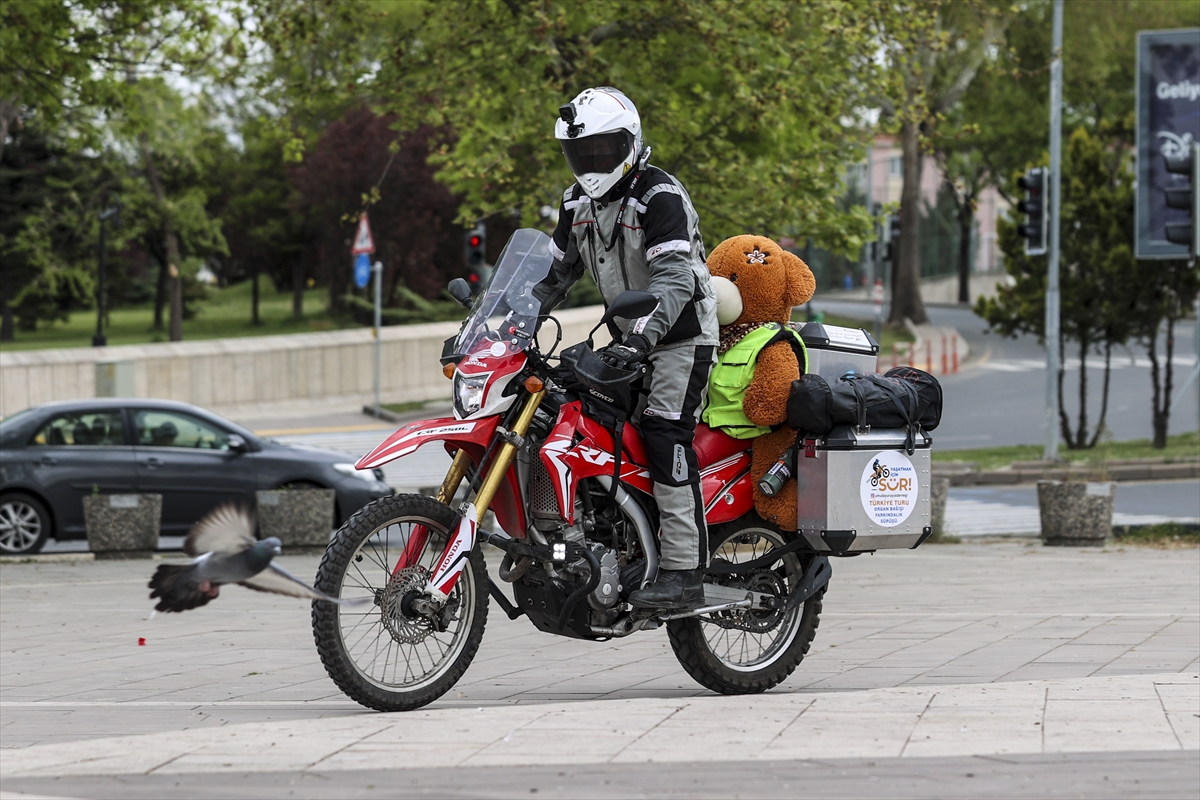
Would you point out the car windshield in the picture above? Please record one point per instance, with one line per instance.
(12, 419)
(507, 305)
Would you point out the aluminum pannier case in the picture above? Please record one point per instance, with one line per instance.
(863, 491)
(833, 350)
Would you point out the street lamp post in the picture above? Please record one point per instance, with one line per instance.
(99, 340)
(377, 268)
(1055, 189)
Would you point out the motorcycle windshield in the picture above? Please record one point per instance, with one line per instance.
(506, 309)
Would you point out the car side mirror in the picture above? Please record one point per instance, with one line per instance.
(460, 290)
(236, 442)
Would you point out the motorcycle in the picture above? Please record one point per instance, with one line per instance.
(543, 441)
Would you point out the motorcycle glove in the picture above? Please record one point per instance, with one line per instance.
(628, 354)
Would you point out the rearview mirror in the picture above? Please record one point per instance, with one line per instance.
(460, 290)
(236, 443)
(630, 304)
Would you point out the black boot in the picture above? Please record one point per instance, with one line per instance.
(673, 589)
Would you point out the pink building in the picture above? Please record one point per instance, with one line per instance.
(886, 177)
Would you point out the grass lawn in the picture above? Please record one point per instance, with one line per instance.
(224, 314)
(1179, 446)
(1165, 536)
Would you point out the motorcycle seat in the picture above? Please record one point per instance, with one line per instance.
(712, 445)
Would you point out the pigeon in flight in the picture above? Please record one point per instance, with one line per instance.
(226, 551)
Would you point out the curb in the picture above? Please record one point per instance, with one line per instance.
(49, 558)
(965, 473)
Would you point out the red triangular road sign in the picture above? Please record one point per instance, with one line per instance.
(363, 243)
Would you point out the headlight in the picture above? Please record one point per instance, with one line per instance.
(366, 474)
(468, 393)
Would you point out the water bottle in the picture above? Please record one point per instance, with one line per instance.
(778, 474)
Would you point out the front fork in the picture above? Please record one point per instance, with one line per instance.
(454, 558)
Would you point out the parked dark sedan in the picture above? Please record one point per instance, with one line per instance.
(52, 455)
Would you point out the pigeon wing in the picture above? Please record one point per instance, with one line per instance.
(278, 580)
(226, 529)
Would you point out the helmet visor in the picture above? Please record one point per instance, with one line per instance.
(601, 153)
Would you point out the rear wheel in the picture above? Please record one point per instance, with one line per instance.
(24, 525)
(384, 655)
(745, 651)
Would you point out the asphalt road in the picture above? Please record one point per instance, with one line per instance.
(998, 396)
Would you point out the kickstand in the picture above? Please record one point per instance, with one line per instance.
(508, 608)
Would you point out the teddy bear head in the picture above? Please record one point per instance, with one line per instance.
(768, 279)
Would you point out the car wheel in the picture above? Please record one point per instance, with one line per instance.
(24, 525)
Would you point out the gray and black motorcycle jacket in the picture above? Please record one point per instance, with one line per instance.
(656, 247)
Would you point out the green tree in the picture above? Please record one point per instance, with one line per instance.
(79, 66)
(1004, 122)
(933, 51)
(1097, 273)
(1160, 294)
(67, 61)
(49, 199)
(168, 185)
(748, 104)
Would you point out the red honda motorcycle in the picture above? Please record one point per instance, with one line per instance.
(542, 441)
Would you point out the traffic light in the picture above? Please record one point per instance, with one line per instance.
(1035, 209)
(475, 254)
(1185, 197)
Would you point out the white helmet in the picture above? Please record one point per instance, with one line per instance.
(601, 136)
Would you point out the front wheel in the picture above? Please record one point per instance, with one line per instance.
(748, 651)
(384, 655)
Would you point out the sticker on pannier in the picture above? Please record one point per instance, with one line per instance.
(889, 488)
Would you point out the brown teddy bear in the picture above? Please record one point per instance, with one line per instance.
(757, 283)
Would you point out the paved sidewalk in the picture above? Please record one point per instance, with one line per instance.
(933, 658)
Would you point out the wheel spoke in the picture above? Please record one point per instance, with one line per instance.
(746, 638)
(386, 647)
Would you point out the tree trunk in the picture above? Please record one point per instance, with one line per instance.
(254, 320)
(1156, 401)
(966, 220)
(906, 280)
(174, 279)
(1064, 421)
(1081, 429)
(297, 289)
(10, 111)
(1103, 394)
(175, 330)
(160, 295)
(1162, 414)
(6, 315)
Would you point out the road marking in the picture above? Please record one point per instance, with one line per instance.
(370, 426)
(349, 704)
(1035, 364)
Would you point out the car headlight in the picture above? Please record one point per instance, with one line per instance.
(366, 474)
(468, 393)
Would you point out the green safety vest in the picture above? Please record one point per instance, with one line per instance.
(732, 375)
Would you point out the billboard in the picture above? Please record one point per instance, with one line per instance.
(1168, 122)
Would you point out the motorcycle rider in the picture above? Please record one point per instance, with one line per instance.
(633, 226)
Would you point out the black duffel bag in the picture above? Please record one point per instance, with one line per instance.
(905, 397)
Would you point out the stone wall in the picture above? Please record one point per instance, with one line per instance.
(222, 374)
